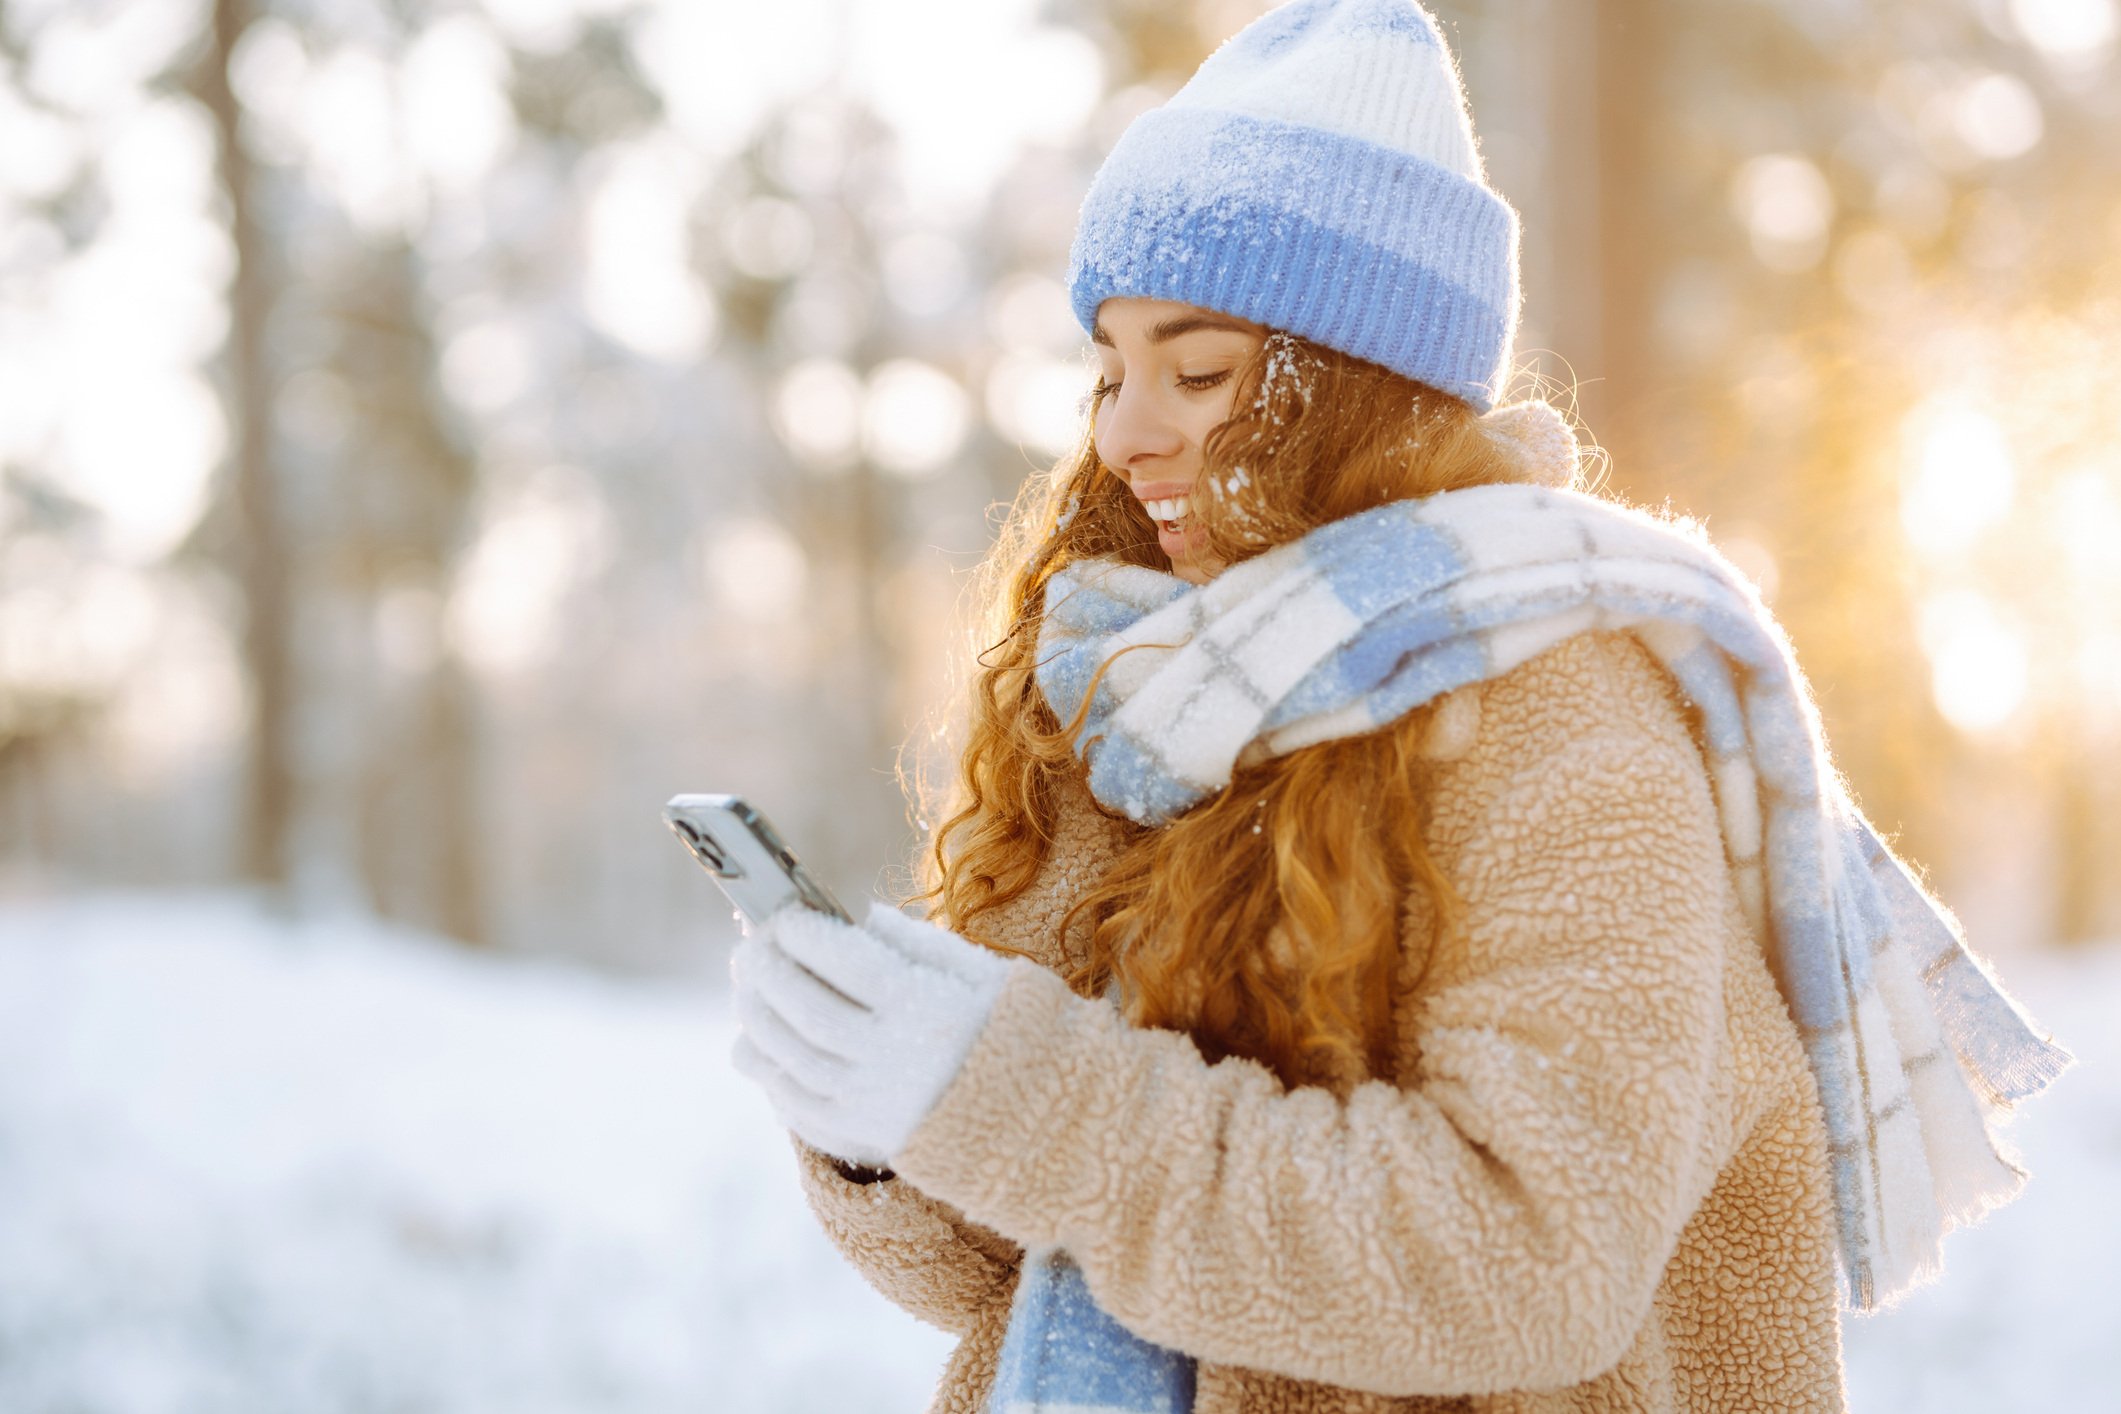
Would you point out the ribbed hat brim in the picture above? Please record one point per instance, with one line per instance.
(1368, 249)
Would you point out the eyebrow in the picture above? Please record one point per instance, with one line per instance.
(1170, 329)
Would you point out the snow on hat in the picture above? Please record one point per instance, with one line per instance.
(1318, 175)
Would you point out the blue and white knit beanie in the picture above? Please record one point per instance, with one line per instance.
(1318, 174)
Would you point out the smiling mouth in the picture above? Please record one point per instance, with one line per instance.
(1172, 513)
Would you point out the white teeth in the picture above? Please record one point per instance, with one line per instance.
(1175, 508)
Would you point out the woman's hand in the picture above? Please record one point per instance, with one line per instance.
(855, 1032)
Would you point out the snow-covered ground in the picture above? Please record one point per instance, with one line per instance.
(247, 1165)
(253, 1167)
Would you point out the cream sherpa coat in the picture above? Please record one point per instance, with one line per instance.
(1600, 1182)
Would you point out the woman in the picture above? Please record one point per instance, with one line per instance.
(1406, 947)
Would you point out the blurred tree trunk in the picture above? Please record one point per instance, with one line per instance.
(404, 496)
(262, 550)
(859, 649)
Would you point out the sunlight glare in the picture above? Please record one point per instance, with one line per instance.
(159, 162)
(1960, 478)
(126, 324)
(928, 64)
(2073, 33)
(146, 471)
(41, 153)
(458, 120)
(1978, 663)
(95, 59)
(720, 69)
(639, 286)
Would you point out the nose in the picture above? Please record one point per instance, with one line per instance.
(1130, 431)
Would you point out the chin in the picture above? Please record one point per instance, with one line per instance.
(1192, 572)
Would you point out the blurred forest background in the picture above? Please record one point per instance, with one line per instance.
(431, 433)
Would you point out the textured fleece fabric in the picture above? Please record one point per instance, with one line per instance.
(1596, 1181)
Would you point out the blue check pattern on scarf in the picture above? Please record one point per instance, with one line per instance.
(1064, 1355)
(1364, 619)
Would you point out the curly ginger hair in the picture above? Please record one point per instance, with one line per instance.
(1265, 921)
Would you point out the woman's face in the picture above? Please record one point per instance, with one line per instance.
(1169, 379)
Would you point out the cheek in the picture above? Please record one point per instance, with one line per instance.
(1205, 415)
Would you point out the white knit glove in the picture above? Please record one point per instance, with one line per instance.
(855, 1032)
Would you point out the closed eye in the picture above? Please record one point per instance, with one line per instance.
(1198, 382)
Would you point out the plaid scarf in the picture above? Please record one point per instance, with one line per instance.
(1916, 1048)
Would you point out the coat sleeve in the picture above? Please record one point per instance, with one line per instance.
(920, 1254)
(1500, 1222)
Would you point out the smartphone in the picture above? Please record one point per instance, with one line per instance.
(743, 853)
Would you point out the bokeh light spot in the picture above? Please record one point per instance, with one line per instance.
(2074, 33)
(1786, 206)
(458, 120)
(1998, 117)
(925, 272)
(1959, 479)
(1034, 400)
(1978, 662)
(817, 410)
(147, 470)
(536, 546)
(639, 287)
(754, 567)
(915, 419)
(488, 365)
(1030, 311)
